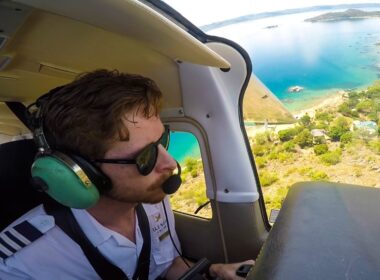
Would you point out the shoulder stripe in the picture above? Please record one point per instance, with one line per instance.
(7, 246)
(14, 239)
(10, 242)
(2, 255)
(19, 236)
(28, 231)
(5, 251)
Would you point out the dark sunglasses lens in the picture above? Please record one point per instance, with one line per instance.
(146, 160)
(165, 138)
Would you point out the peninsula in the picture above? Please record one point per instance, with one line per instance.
(349, 14)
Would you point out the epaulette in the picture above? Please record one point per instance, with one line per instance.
(21, 235)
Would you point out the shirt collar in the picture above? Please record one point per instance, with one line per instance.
(99, 234)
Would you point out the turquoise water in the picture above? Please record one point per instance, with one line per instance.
(183, 145)
(321, 57)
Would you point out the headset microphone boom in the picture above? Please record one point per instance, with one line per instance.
(172, 184)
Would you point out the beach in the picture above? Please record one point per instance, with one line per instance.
(331, 101)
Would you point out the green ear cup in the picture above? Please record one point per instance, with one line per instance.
(66, 182)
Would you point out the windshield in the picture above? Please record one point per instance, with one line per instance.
(311, 109)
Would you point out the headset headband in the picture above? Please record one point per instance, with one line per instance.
(67, 178)
(36, 119)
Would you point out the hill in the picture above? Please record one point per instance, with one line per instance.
(261, 105)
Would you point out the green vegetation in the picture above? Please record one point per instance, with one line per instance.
(274, 200)
(375, 146)
(289, 146)
(304, 138)
(343, 153)
(282, 159)
(321, 149)
(267, 178)
(339, 127)
(192, 193)
(287, 134)
(305, 120)
(318, 175)
(331, 158)
(346, 137)
(260, 161)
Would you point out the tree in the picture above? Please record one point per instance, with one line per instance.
(323, 116)
(365, 106)
(289, 146)
(287, 134)
(340, 126)
(304, 138)
(305, 120)
(344, 109)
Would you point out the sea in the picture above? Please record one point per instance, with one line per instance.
(321, 57)
(287, 51)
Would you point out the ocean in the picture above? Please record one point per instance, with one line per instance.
(183, 145)
(323, 58)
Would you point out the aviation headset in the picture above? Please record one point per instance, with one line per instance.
(69, 179)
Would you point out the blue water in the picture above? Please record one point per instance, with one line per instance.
(183, 145)
(321, 57)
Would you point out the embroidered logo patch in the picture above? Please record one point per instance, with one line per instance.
(159, 226)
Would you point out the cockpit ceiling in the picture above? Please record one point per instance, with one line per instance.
(50, 50)
(55, 40)
(48, 43)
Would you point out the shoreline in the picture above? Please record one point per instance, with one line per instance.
(331, 101)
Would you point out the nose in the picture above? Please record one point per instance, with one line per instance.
(165, 162)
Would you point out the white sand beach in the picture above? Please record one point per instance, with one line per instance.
(330, 102)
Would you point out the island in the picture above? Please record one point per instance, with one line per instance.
(349, 14)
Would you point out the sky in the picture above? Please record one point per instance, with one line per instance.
(202, 12)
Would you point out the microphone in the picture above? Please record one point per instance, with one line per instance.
(172, 184)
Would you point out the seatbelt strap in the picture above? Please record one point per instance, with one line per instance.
(65, 219)
(142, 269)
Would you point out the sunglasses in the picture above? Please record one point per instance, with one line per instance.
(146, 159)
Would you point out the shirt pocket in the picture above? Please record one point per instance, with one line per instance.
(163, 250)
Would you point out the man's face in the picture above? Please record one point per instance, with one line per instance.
(128, 185)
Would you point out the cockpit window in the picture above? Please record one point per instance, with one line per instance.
(311, 109)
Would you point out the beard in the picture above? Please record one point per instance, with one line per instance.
(151, 194)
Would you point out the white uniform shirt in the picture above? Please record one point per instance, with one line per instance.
(56, 256)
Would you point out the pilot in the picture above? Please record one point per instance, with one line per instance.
(102, 154)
